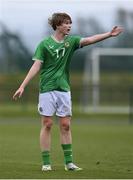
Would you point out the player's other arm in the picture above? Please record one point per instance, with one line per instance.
(99, 37)
(32, 72)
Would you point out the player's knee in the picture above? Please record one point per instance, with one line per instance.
(65, 126)
(47, 123)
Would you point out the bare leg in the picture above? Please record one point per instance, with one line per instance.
(65, 131)
(45, 133)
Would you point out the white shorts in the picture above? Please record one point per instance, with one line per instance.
(55, 102)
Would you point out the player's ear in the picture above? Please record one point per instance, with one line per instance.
(57, 27)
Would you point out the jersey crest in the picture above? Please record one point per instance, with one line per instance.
(67, 44)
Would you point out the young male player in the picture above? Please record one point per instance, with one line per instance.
(52, 59)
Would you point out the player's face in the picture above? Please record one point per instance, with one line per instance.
(65, 27)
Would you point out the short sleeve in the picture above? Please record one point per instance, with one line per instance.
(77, 42)
(39, 53)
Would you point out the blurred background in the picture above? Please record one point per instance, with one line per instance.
(24, 23)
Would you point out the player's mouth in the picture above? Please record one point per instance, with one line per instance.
(68, 30)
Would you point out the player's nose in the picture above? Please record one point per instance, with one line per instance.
(69, 27)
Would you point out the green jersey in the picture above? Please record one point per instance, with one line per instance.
(56, 58)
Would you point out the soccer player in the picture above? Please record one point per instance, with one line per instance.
(52, 58)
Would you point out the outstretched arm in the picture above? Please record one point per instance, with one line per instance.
(99, 37)
(32, 72)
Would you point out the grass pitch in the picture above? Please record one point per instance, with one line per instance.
(102, 150)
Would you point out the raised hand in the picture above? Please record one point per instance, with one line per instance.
(116, 31)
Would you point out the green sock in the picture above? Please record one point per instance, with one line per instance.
(46, 157)
(67, 148)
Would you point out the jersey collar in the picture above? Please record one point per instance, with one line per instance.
(57, 40)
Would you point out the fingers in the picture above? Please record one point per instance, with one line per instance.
(118, 28)
(17, 94)
(115, 27)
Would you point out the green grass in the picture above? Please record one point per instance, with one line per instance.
(102, 150)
